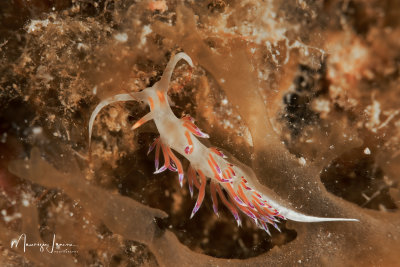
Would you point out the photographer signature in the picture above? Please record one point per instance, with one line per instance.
(54, 247)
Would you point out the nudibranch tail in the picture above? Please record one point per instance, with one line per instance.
(299, 217)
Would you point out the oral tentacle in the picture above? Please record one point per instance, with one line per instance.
(139, 96)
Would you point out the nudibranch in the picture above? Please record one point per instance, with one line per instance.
(234, 184)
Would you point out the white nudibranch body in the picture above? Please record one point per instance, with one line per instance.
(243, 192)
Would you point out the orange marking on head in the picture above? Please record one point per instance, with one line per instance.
(161, 97)
(151, 103)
